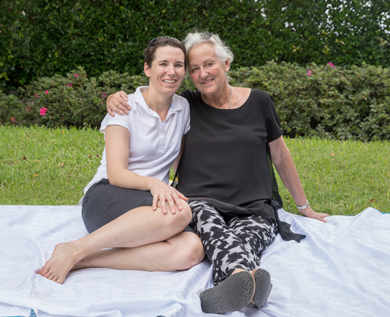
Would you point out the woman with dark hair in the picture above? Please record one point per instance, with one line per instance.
(226, 172)
(129, 206)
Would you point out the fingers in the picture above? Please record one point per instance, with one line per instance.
(178, 203)
(171, 204)
(154, 204)
(118, 103)
(112, 114)
(321, 219)
(181, 196)
(162, 205)
(123, 102)
(315, 215)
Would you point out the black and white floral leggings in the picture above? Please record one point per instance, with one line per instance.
(231, 243)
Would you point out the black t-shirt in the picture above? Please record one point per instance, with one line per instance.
(225, 152)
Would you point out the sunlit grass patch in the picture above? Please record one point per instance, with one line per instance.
(40, 166)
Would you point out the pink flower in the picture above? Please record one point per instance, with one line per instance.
(309, 72)
(13, 119)
(331, 65)
(37, 96)
(42, 111)
(46, 92)
(52, 80)
(77, 75)
(70, 85)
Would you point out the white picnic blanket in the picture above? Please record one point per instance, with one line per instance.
(342, 268)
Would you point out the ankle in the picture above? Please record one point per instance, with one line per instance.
(238, 271)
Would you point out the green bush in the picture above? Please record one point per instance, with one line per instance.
(332, 102)
(40, 38)
(325, 101)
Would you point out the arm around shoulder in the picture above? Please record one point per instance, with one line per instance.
(118, 103)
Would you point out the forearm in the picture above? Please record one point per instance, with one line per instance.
(290, 178)
(284, 164)
(128, 179)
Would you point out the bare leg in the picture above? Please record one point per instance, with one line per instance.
(185, 250)
(137, 227)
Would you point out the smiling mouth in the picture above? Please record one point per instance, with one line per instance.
(169, 81)
(207, 81)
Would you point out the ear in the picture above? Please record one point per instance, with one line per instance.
(146, 70)
(227, 65)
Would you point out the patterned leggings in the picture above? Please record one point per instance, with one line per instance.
(231, 243)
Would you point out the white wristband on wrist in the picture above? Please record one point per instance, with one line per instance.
(303, 207)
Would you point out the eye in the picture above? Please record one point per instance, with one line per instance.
(163, 64)
(209, 64)
(179, 65)
(193, 70)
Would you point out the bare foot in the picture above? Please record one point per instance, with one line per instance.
(63, 259)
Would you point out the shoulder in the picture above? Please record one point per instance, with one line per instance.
(179, 99)
(181, 104)
(122, 120)
(191, 95)
(132, 102)
(261, 95)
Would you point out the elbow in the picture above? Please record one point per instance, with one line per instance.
(281, 158)
(113, 178)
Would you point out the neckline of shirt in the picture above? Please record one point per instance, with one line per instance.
(226, 110)
(140, 100)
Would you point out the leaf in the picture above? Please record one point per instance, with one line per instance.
(62, 164)
(332, 154)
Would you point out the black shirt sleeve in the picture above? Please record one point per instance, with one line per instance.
(274, 130)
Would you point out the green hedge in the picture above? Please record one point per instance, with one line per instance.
(326, 101)
(40, 38)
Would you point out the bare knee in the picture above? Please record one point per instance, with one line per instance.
(188, 250)
(178, 221)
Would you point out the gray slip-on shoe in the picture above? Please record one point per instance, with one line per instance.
(233, 294)
(263, 287)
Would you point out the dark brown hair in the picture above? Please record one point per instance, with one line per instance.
(149, 52)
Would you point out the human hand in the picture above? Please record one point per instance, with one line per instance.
(163, 193)
(118, 103)
(308, 212)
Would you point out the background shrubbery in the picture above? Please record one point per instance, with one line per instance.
(39, 38)
(326, 101)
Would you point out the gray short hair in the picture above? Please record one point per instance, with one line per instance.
(221, 49)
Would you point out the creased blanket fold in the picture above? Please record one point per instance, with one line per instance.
(340, 269)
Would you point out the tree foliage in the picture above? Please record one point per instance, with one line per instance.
(44, 37)
(325, 101)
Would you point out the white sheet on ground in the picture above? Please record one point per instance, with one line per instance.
(342, 268)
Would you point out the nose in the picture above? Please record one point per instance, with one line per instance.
(203, 73)
(171, 70)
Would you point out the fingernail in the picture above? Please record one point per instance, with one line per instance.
(121, 112)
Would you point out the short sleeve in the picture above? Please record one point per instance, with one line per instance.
(274, 130)
(122, 120)
(187, 120)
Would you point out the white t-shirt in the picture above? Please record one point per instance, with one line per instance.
(154, 144)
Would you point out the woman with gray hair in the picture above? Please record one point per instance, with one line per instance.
(226, 172)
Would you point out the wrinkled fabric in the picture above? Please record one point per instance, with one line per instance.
(340, 269)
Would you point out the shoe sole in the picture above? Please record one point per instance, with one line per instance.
(233, 294)
(263, 287)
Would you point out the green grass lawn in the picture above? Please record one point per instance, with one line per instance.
(40, 166)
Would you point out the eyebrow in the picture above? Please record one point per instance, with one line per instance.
(165, 61)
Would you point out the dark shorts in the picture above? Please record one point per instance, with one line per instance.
(104, 202)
